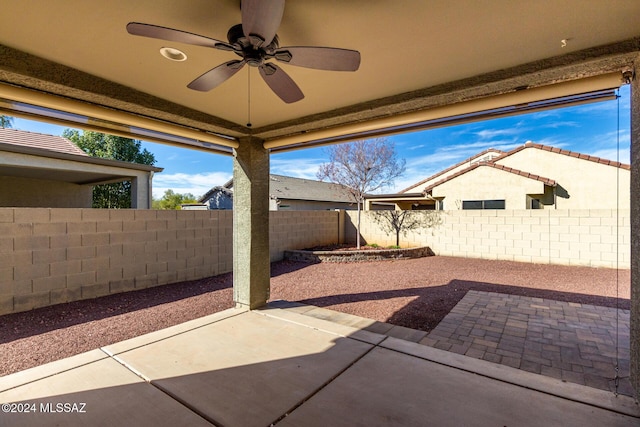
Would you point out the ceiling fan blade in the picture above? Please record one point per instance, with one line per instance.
(164, 33)
(261, 18)
(280, 83)
(216, 76)
(320, 58)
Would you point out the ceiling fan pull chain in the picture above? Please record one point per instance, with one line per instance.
(249, 97)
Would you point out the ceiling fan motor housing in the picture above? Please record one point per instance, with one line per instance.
(251, 48)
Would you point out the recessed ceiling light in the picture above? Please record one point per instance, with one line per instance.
(173, 54)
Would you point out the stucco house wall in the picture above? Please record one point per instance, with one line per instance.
(487, 183)
(582, 183)
(27, 192)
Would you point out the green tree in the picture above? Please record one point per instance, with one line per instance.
(118, 194)
(363, 167)
(6, 122)
(172, 200)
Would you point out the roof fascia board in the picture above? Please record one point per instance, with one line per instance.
(76, 158)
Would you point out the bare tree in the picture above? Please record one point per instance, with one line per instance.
(363, 167)
(398, 221)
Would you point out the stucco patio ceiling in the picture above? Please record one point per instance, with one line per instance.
(416, 56)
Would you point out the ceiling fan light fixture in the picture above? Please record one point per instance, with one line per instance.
(283, 55)
(173, 54)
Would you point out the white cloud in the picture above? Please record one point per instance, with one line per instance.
(545, 114)
(492, 133)
(297, 168)
(196, 184)
(432, 160)
(606, 145)
(559, 124)
(409, 179)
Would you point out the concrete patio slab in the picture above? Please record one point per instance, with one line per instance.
(408, 391)
(406, 334)
(50, 369)
(166, 333)
(320, 324)
(246, 370)
(276, 366)
(333, 316)
(99, 393)
(548, 385)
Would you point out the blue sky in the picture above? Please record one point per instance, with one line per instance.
(589, 129)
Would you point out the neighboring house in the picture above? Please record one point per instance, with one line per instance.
(532, 176)
(219, 197)
(288, 193)
(38, 170)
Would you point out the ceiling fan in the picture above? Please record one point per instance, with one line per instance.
(256, 42)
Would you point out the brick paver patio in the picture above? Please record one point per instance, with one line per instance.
(569, 341)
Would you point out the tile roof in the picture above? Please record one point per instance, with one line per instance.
(287, 187)
(557, 150)
(442, 172)
(546, 181)
(40, 141)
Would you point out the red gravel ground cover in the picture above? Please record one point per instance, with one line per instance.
(415, 293)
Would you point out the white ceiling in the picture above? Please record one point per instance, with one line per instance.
(407, 47)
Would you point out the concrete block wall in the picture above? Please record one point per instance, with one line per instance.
(593, 237)
(301, 229)
(55, 255)
(51, 256)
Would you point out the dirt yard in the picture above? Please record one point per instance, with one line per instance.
(416, 293)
